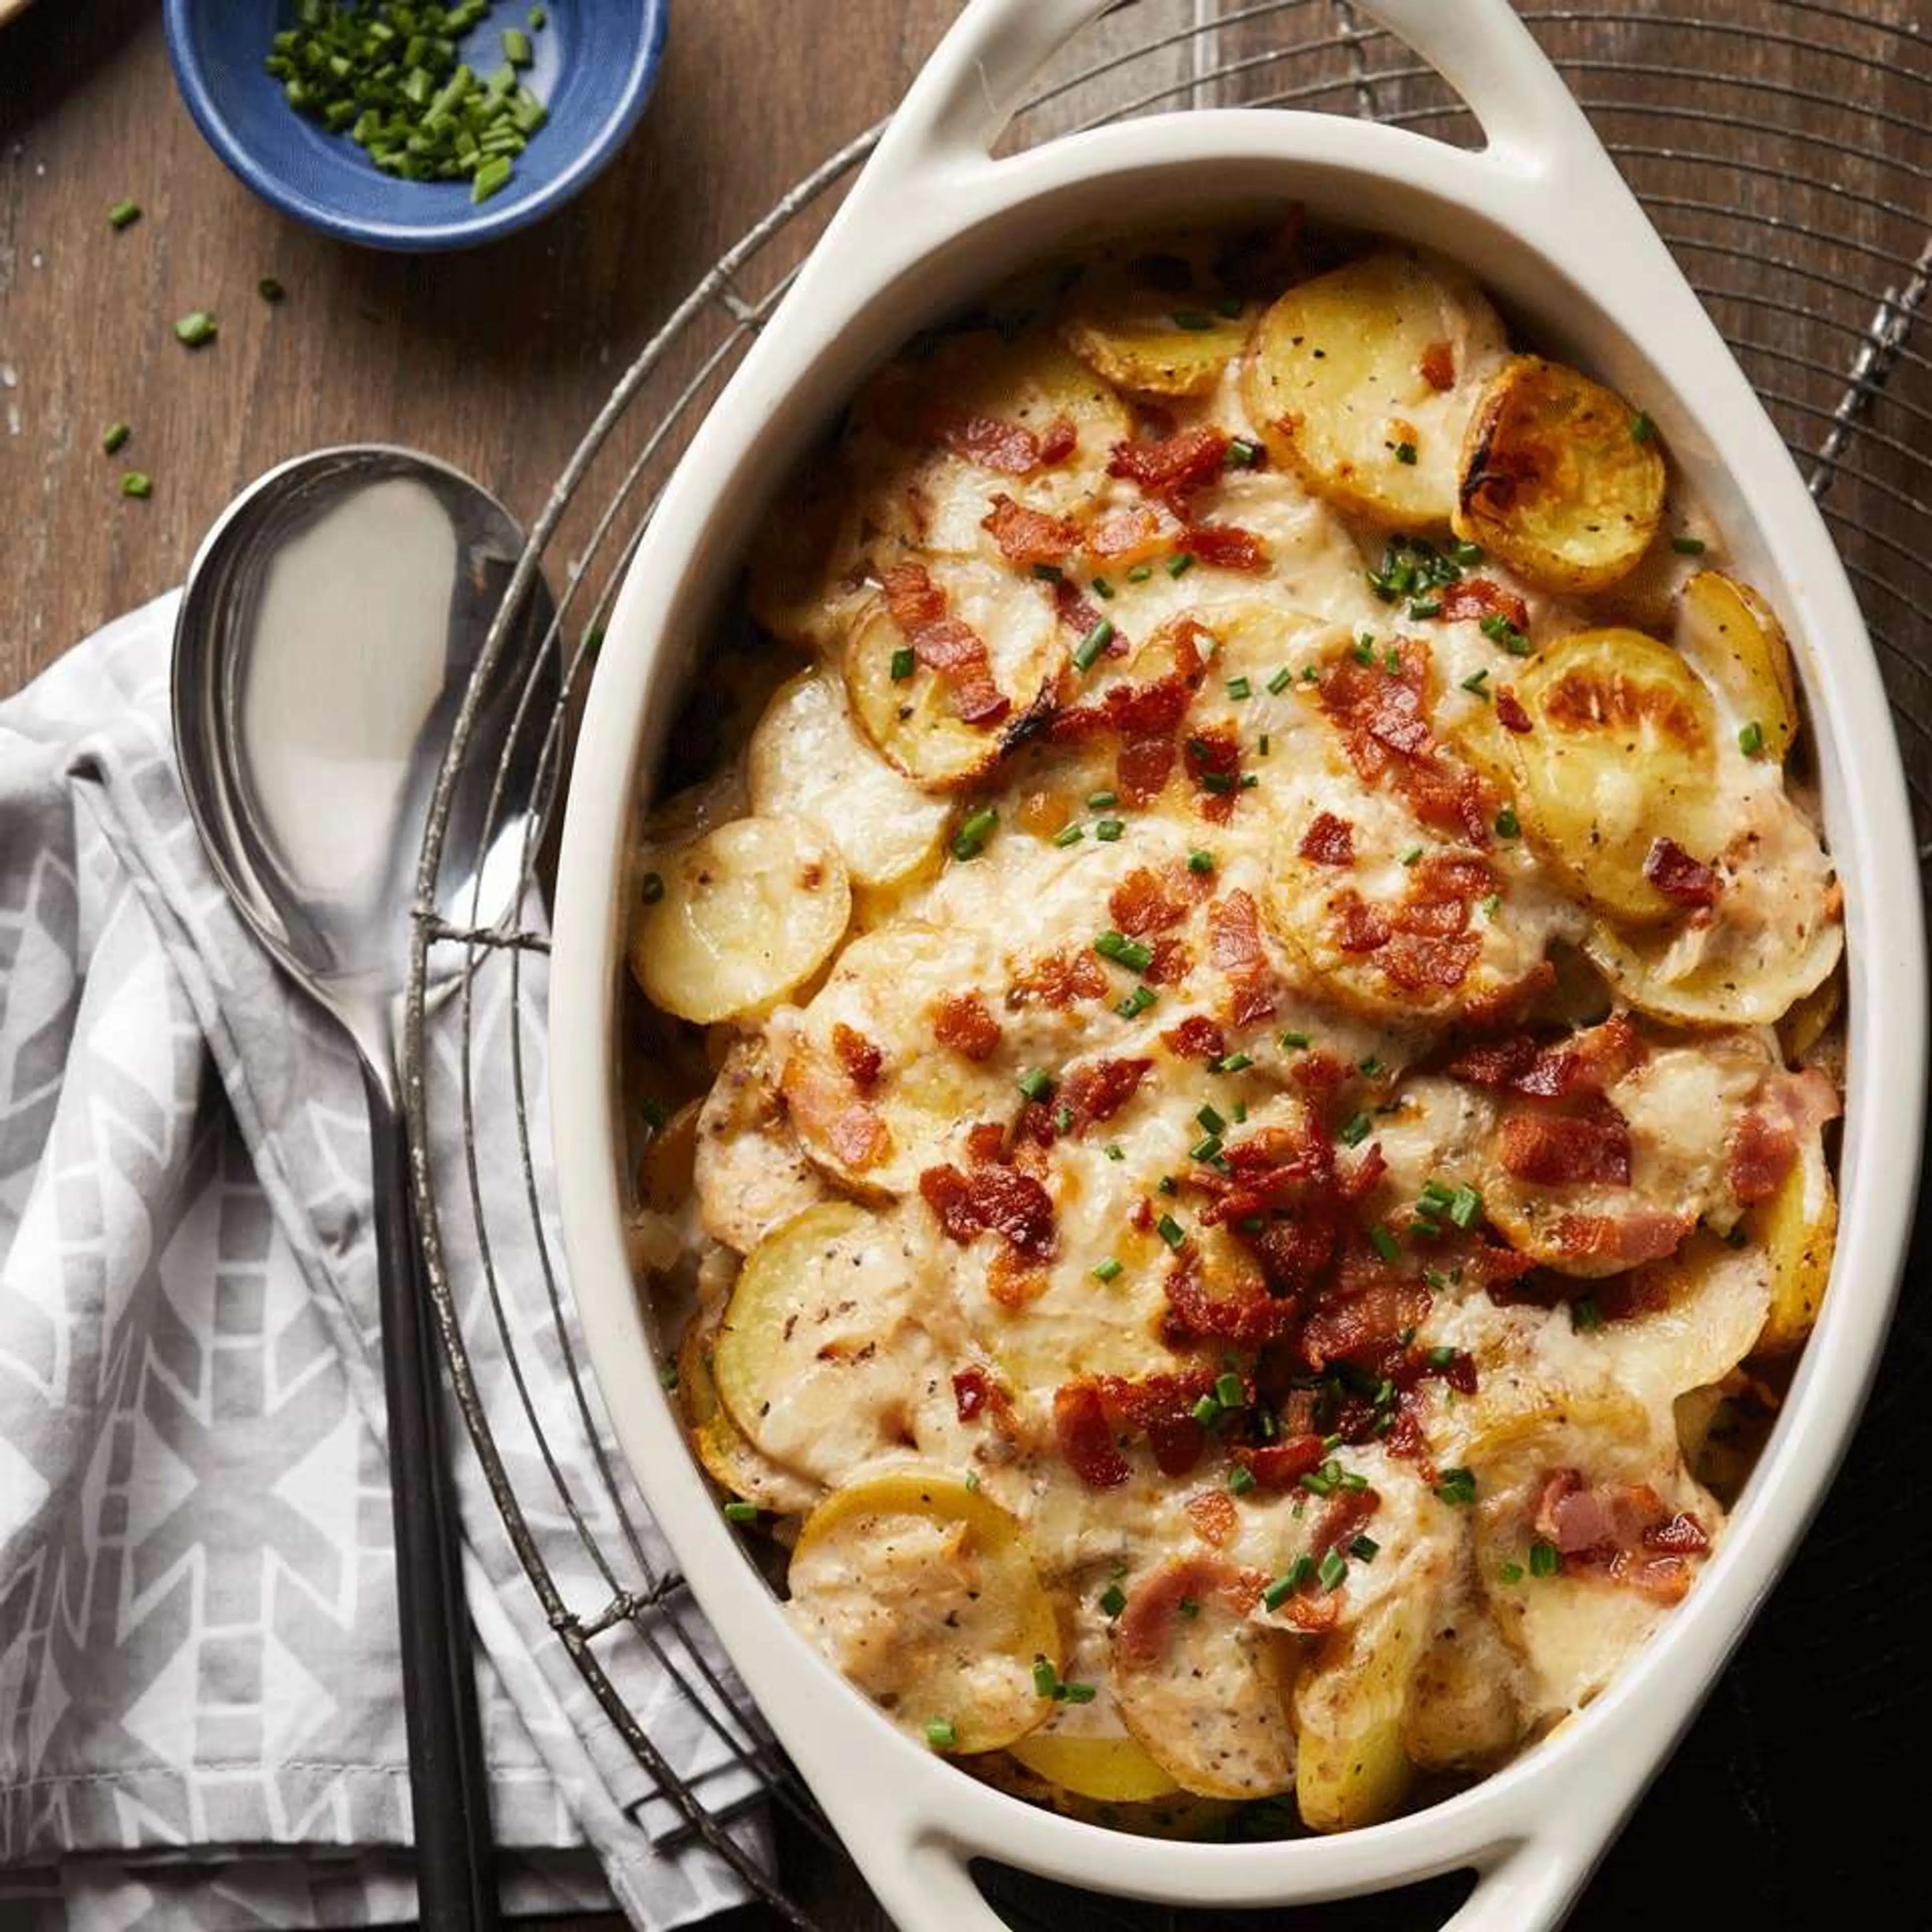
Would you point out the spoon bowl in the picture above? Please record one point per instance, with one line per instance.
(333, 623)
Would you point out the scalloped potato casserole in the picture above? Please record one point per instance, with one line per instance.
(1235, 1072)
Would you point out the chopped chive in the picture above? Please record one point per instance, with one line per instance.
(1413, 853)
(1365, 1548)
(195, 328)
(741, 1512)
(904, 660)
(972, 1480)
(1435, 1197)
(1192, 319)
(1642, 428)
(1078, 1693)
(1354, 1130)
(1405, 452)
(1476, 680)
(1047, 573)
(1363, 649)
(1457, 1486)
(1171, 1231)
(1106, 1271)
(1584, 1314)
(1230, 1391)
(1036, 1083)
(1062, 1120)
(652, 890)
(1206, 1151)
(1108, 830)
(1130, 953)
(1370, 1068)
(1510, 1572)
(1099, 801)
(969, 841)
(489, 177)
(1508, 825)
(1071, 835)
(1294, 1042)
(1198, 861)
(1242, 455)
(1101, 588)
(137, 483)
(123, 215)
(1115, 1151)
(1750, 740)
(116, 434)
(1179, 566)
(269, 290)
(1210, 1120)
(1232, 1062)
(1334, 1566)
(1239, 688)
(1140, 573)
(1280, 681)
(1189, 1607)
(1207, 1411)
(1136, 1002)
(1489, 905)
(1240, 1479)
(1422, 607)
(1545, 1558)
(941, 1733)
(1045, 1678)
(1441, 1356)
(1465, 1204)
(1687, 546)
(1277, 1593)
(516, 47)
(1113, 1600)
(1384, 1243)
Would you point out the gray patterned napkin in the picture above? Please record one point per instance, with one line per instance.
(200, 1723)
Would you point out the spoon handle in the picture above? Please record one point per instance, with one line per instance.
(449, 1793)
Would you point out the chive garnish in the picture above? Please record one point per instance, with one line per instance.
(1508, 826)
(1108, 830)
(137, 483)
(1750, 740)
(1113, 1600)
(969, 841)
(1687, 546)
(1140, 573)
(1198, 861)
(1136, 1003)
(1179, 566)
(904, 660)
(1207, 1411)
(1294, 1042)
(117, 433)
(741, 1512)
(1036, 1083)
(1099, 801)
(1106, 1271)
(1171, 1231)
(1240, 1479)
(652, 890)
(195, 328)
(1384, 1243)
(1334, 1566)
(1230, 1391)
(1545, 1558)
(1101, 588)
(1071, 835)
(1405, 452)
(941, 1733)
(1354, 1130)
(1457, 1486)
(1465, 1204)
(1130, 953)
(1239, 688)
(1047, 573)
(1476, 680)
(1365, 1549)
(123, 215)
(1642, 428)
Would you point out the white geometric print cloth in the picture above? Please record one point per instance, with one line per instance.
(200, 1722)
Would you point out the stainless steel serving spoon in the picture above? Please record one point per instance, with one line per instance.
(329, 628)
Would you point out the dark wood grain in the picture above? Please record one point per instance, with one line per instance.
(496, 362)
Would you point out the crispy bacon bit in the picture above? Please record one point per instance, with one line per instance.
(1141, 767)
(1281, 1466)
(1351, 1324)
(1171, 965)
(1100, 1089)
(1510, 713)
(1554, 1151)
(1415, 962)
(1146, 1627)
(1379, 713)
(1622, 1531)
(971, 1388)
(1586, 1062)
(1225, 546)
(1214, 763)
(1197, 1037)
(1172, 468)
(1329, 841)
(1086, 1441)
(962, 1021)
(1132, 534)
(862, 1060)
(999, 1199)
(1152, 709)
(1194, 1313)
(1359, 926)
(1213, 1514)
(1678, 876)
(1146, 900)
(1058, 979)
(945, 644)
(1027, 536)
(1161, 1407)
(1013, 1281)
(822, 1104)
(1349, 1511)
(1476, 598)
(985, 1143)
(1765, 1142)
(1643, 1235)
(1235, 932)
(1010, 448)
(1438, 365)
(1682, 1535)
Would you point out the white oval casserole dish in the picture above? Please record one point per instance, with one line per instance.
(1540, 217)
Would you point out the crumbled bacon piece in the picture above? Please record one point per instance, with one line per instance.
(1195, 1313)
(1644, 1234)
(1058, 979)
(1765, 1142)
(1147, 901)
(1510, 713)
(944, 644)
(1281, 1466)
(1086, 1441)
(1213, 1514)
(1235, 932)
(1196, 1037)
(1027, 536)
(971, 1389)
(985, 1143)
(1437, 367)
(1146, 1627)
(1172, 468)
(1621, 1531)
(1171, 965)
(821, 1103)
(1351, 1324)
(1557, 1150)
(1586, 1062)
(1214, 763)
(1478, 598)
(1225, 546)
(1001, 1200)
(1010, 448)
(1131, 535)
(1146, 709)
(1329, 841)
(1359, 926)
(1141, 767)
(962, 1021)
(1013, 1279)
(1349, 1511)
(1098, 1090)
(1161, 1407)
(1678, 876)
(860, 1057)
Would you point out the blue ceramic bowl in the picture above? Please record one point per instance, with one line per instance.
(595, 62)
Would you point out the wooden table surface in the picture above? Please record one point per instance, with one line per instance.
(496, 362)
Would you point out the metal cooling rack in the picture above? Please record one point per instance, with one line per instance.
(1780, 146)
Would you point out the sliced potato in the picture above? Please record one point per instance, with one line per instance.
(1338, 380)
(1154, 323)
(1716, 1301)
(1798, 1226)
(808, 759)
(1351, 1766)
(1114, 1770)
(914, 719)
(747, 912)
(821, 1377)
(1733, 638)
(730, 1457)
(1622, 752)
(1211, 1709)
(1810, 1019)
(1557, 481)
(924, 1594)
(750, 1174)
(1463, 1711)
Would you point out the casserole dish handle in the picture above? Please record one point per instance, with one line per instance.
(980, 76)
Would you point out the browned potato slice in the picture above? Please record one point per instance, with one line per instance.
(745, 913)
(1209, 1704)
(1716, 1301)
(1114, 1770)
(1557, 481)
(1798, 1226)
(1133, 325)
(1362, 381)
(1622, 752)
(1463, 1713)
(1733, 638)
(808, 758)
(913, 718)
(729, 1456)
(924, 1594)
(1351, 1767)
(750, 1174)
